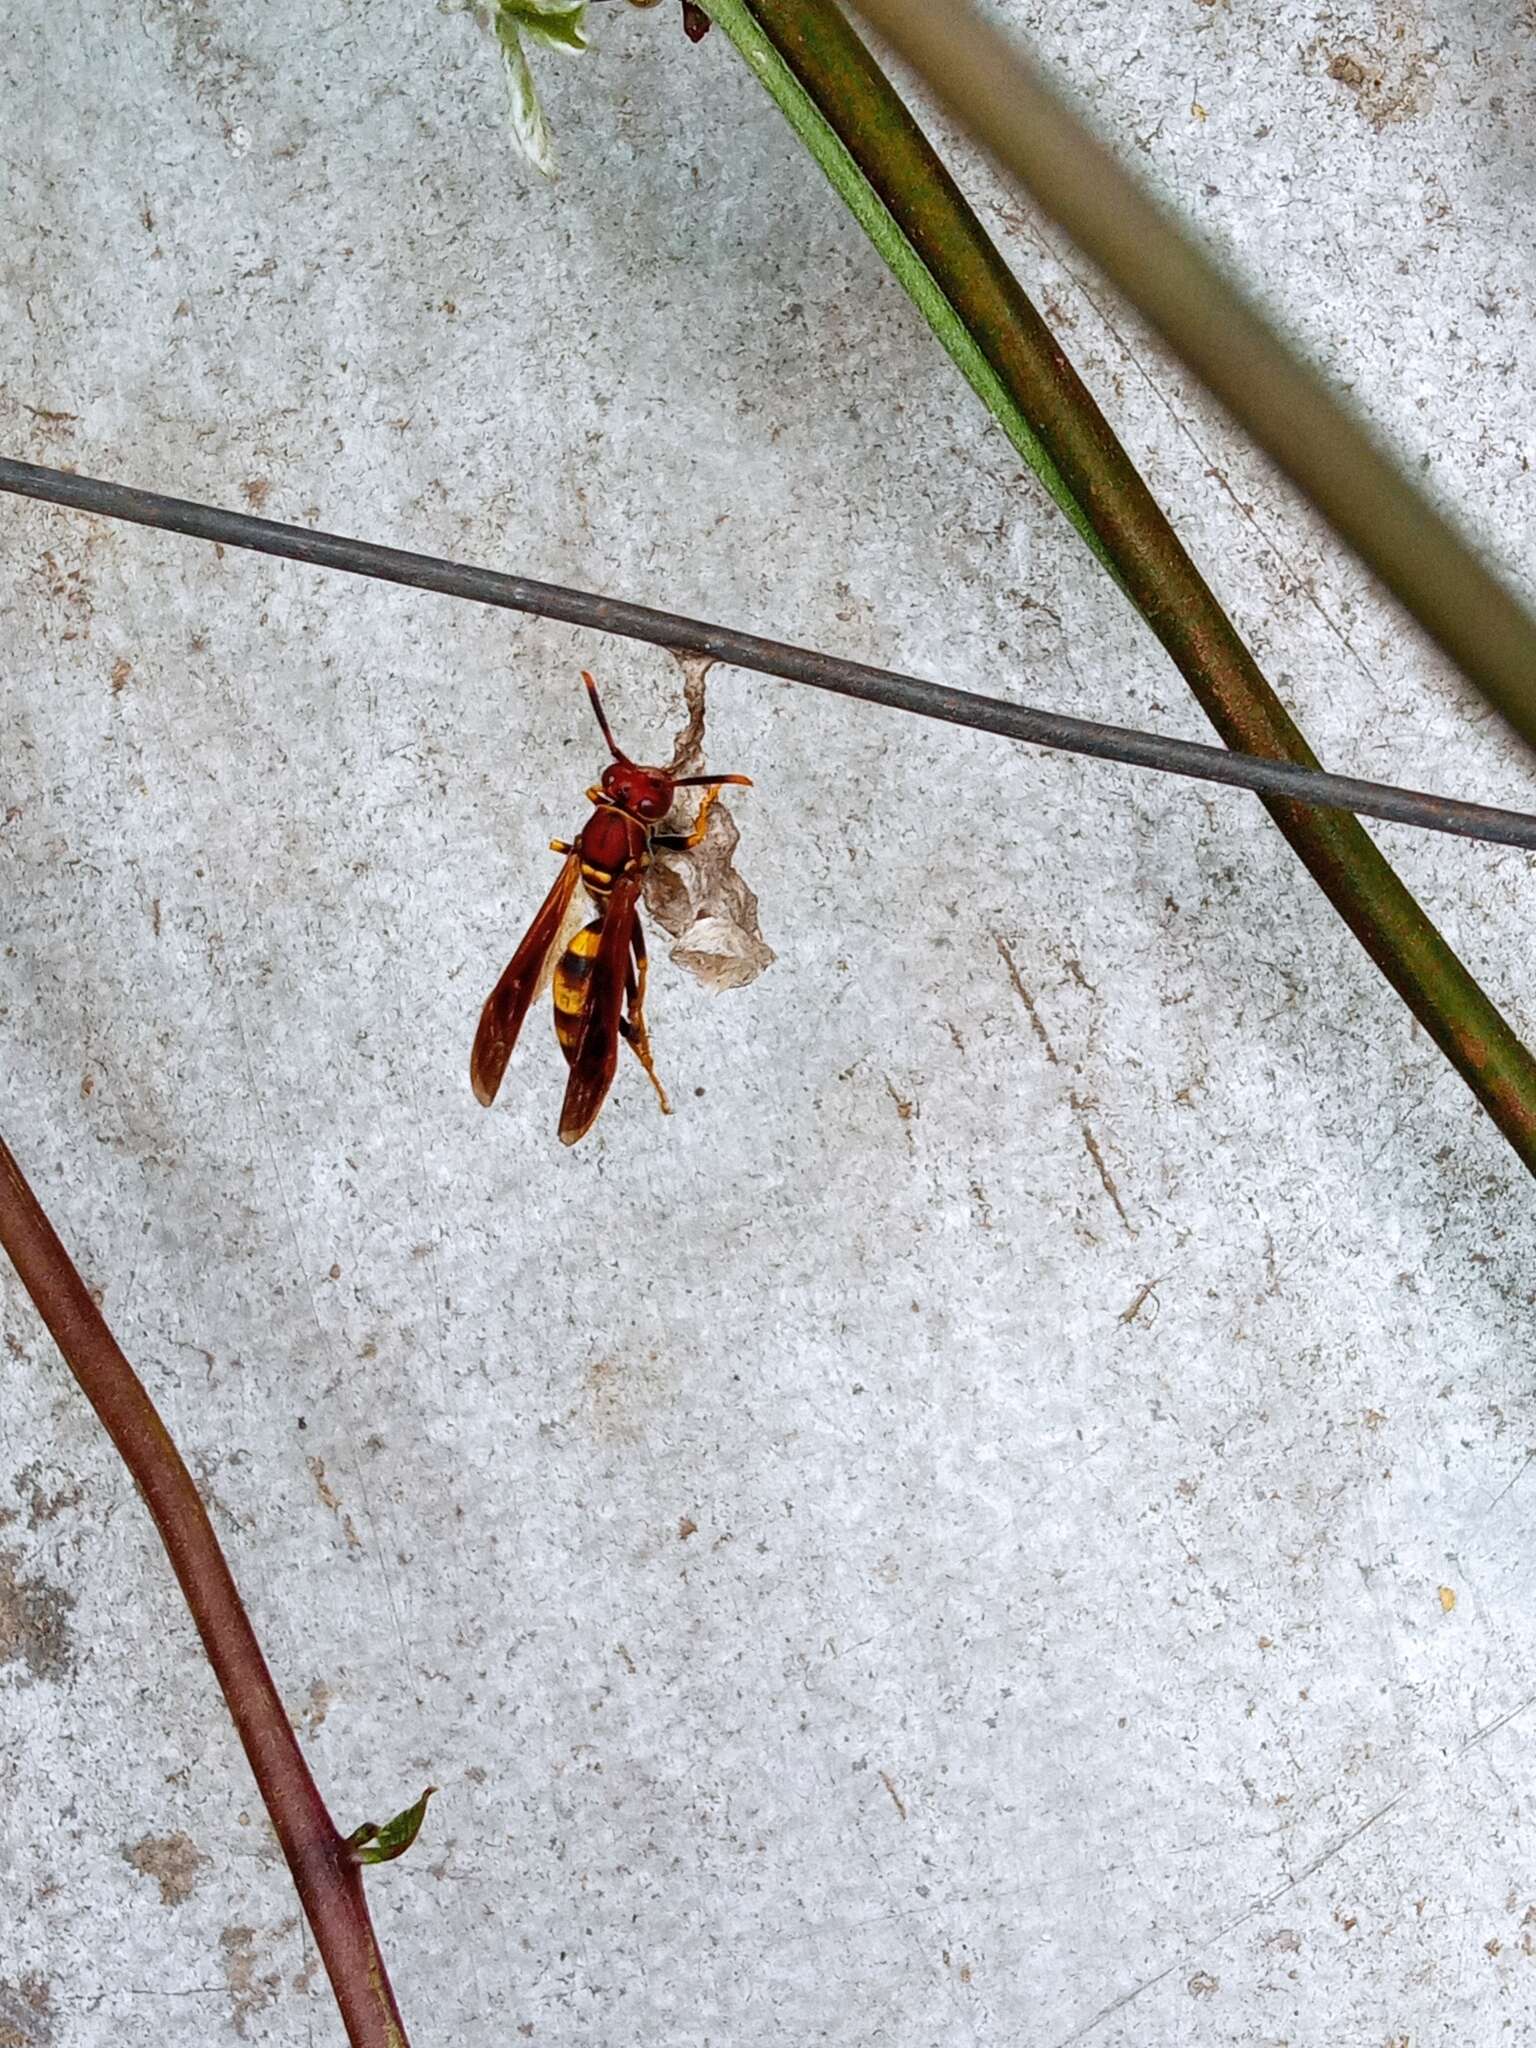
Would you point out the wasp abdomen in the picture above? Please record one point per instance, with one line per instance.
(572, 973)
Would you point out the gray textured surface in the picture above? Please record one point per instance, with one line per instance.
(838, 1600)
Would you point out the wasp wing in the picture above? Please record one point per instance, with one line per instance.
(577, 912)
(596, 1052)
(507, 1004)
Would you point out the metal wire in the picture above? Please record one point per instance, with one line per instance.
(1054, 729)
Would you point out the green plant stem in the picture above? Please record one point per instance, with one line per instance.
(826, 82)
(329, 1883)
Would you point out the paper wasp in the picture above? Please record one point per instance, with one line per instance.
(599, 969)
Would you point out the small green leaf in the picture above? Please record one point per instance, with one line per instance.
(529, 128)
(374, 1844)
(560, 24)
(561, 27)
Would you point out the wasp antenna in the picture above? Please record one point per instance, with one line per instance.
(597, 705)
(709, 781)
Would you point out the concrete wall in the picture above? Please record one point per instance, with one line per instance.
(1007, 1519)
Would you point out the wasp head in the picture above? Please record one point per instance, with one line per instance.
(646, 793)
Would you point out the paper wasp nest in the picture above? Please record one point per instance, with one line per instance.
(698, 897)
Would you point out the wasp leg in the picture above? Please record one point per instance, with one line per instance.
(560, 846)
(633, 1026)
(683, 842)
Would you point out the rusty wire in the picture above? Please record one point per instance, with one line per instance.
(1052, 729)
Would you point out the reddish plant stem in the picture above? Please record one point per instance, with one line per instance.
(330, 1885)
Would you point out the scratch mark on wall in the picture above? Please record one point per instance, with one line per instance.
(1026, 998)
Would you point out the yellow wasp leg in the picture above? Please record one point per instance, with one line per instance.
(634, 1024)
(682, 842)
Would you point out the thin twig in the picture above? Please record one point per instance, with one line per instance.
(1052, 729)
(330, 1885)
(990, 86)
